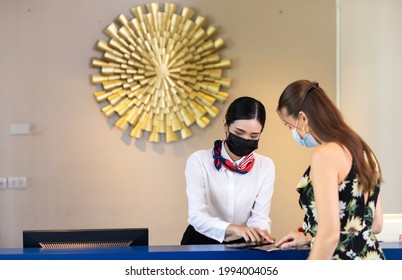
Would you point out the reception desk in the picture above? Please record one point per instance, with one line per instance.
(392, 250)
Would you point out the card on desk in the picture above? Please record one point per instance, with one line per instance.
(266, 246)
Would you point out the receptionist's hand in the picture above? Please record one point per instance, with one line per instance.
(250, 234)
(293, 239)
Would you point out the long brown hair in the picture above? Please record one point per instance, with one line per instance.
(328, 124)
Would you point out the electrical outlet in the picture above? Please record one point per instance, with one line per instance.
(17, 182)
(3, 182)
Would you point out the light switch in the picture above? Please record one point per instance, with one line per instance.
(17, 182)
(19, 128)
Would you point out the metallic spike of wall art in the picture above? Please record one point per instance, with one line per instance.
(160, 72)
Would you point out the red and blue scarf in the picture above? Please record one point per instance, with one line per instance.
(244, 167)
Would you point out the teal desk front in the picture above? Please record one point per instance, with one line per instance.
(392, 250)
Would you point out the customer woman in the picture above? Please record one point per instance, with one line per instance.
(340, 191)
(229, 187)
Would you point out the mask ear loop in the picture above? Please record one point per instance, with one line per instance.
(226, 129)
(302, 129)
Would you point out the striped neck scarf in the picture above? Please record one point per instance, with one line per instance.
(244, 167)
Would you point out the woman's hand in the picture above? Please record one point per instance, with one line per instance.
(250, 234)
(293, 240)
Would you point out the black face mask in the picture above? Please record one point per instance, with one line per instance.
(240, 146)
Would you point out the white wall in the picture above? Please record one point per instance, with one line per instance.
(370, 83)
(82, 172)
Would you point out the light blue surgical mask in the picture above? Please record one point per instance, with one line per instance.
(308, 141)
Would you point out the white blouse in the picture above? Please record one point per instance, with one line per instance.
(219, 198)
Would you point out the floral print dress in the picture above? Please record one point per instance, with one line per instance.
(356, 240)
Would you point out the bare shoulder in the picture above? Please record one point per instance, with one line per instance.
(329, 153)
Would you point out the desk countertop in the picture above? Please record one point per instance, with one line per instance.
(392, 250)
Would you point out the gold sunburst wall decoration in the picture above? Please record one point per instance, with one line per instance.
(160, 72)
